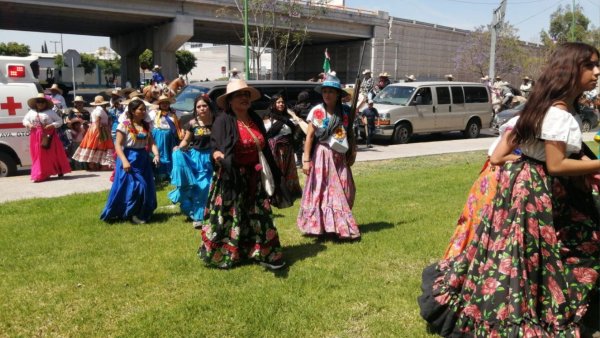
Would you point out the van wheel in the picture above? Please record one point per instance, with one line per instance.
(402, 134)
(473, 129)
(586, 126)
(8, 166)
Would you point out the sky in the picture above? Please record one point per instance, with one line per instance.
(528, 16)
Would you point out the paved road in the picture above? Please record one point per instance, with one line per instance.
(20, 187)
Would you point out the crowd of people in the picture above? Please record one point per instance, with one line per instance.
(523, 261)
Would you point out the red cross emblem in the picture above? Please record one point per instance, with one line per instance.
(11, 105)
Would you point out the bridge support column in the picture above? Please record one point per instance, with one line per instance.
(129, 47)
(166, 39)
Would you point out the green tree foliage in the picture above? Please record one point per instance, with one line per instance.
(111, 69)
(14, 49)
(186, 61)
(474, 55)
(88, 62)
(58, 61)
(146, 59)
(562, 28)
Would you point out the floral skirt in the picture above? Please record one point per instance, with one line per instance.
(165, 141)
(290, 190)
(47, 162)
(132, 193)
(241, 227)
(191, 175)
(530, 267)
(328, 196)
(96, 147)
(479, 201)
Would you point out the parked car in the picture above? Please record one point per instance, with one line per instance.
(589, 119)
(184, 101)
(505, 115)
(587, 116)
(430, 107)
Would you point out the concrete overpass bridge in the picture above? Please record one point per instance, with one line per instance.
(164, 25)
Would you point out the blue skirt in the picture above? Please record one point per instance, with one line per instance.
(191, 175)
(132, 193)
(165, 141)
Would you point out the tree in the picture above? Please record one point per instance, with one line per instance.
(474, 55)
(88, 62)
(186, 61)
(111, 69)
(58, 61)
(14, 49)
(281, 24)
(146, 59)
(562, 28)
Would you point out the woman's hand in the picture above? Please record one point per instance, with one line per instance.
(156, 160)
(126, 166)
(218, 156)
(306, 166)
(49, 127)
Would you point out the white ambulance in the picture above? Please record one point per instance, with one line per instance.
(18, 83)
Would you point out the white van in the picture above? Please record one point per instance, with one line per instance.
(430, 107)
(18, 83)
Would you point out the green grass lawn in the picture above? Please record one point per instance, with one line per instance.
(66, 273)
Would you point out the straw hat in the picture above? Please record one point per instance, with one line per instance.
(234, 70)
(115, 92)
(41, 96)
(449, 76)
(79, 99)
(136, 93)
(526, 78)
(164, 98)
(99, 101)
(156, 67)
(366, 71)
(236, 86)
(333, 82)
(485, 78)
(411, 77)
(384, 74)
(56, 88)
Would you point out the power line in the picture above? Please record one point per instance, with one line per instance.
(538, 13)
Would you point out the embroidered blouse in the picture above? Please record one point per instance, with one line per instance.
(200, 136)
(134, 138)
(245, 148)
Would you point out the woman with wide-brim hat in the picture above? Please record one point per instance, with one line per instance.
(47, 157)
(238, 223)
(326, 207)
(97, 147)
(167, 133)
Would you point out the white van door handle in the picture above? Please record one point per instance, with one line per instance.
(450, 108)
(434, 109)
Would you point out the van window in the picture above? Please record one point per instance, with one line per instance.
(457, 95)
(293, 91)
(443, 95)
(423, 96)
(476, 95)
(264, 102)
(394, 95)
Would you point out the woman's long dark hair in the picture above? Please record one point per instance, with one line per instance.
(131, 107)
(558, 81)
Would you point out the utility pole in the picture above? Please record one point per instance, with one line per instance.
(246, 37)
(54, 42)
(497, 21)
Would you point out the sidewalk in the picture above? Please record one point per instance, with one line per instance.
(21, 187)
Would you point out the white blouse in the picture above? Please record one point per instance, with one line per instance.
(558, 125)
(99, 114)
(132, 142)
(34, 119)
(506, 127)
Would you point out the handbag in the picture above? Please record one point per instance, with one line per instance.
(46, 141)
(266, 176)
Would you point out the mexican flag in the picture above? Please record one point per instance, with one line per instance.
(326, 63)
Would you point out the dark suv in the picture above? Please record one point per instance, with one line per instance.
(184, 101)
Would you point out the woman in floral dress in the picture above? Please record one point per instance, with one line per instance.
(533, 262)
(329, 191)
(280, 131)
(192, 166)
(238, 222)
